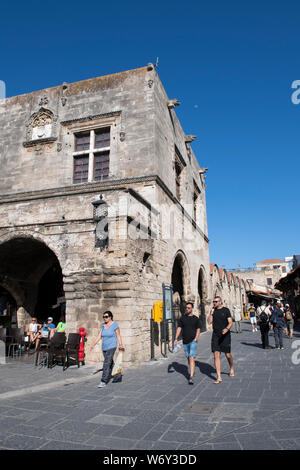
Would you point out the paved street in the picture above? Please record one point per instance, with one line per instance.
(155, 409)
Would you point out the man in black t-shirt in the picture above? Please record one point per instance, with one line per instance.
(221, 320)
(189, 325)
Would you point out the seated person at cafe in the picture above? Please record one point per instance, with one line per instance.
(31, 329)
(61, 327)
(44, 331)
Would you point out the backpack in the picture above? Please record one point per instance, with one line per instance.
(264, 318)
(288, 316)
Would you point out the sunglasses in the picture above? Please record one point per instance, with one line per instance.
(105, 316)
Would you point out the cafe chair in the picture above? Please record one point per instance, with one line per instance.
(57, 349)
(72, 350)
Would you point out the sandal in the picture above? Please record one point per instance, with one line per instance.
(218, 381)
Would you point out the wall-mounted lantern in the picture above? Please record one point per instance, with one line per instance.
(100, 217)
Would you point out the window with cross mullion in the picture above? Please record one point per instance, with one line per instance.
(91, 155)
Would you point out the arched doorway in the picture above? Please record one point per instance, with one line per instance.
(180, 282)
(31, 273)
(203, 294)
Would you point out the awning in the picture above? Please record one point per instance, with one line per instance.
(264, 295)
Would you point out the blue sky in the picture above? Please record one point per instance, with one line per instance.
(230, 64)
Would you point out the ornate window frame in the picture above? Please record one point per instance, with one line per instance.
(90, 125)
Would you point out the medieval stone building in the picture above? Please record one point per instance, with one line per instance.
(114, 141)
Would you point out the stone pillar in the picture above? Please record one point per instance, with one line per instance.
(23, 317)
(2, 353)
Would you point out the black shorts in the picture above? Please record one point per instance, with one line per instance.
(221, 343)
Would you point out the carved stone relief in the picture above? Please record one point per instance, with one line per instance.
(41, 127)
(43, 101)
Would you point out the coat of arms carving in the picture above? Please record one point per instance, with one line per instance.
(41, 127)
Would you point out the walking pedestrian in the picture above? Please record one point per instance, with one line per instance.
(289, 319)
(189, 325)
(111, 338)
(221, 320)
(264, 314)
(252, 313)
(237, 318)
(277, 320)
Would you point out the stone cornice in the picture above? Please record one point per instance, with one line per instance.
(90, 118)
(46, 140)
(98, 187)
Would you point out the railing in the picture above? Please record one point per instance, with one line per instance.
(242, 270)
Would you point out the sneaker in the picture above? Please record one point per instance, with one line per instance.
(102, 384)
(281, 347)
(191, 382)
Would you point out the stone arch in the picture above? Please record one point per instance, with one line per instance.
(218, 291)
(29, 234)
(243, 294)
(180, 279)
(216, 281)
(32, 274)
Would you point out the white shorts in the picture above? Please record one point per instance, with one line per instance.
(252, 320)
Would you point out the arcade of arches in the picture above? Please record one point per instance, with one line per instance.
(230, 288)
(31, 282)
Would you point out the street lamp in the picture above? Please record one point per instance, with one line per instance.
(100, 214)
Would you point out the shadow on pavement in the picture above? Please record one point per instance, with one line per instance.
(203, 367)
(180, 368)
(206, 369)
(255, 345)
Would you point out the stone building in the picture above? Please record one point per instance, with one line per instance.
(265, 274)
(116, 138)
(289, 286)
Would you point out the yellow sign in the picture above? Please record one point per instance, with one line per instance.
(157, 312)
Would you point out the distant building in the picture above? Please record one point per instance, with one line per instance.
(265, 274)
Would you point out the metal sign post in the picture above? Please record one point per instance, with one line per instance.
(168, 314)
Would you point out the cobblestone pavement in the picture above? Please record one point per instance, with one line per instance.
(156, 409)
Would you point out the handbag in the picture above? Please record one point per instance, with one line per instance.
(117, 368)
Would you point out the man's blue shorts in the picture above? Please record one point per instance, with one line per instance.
(190, 349)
